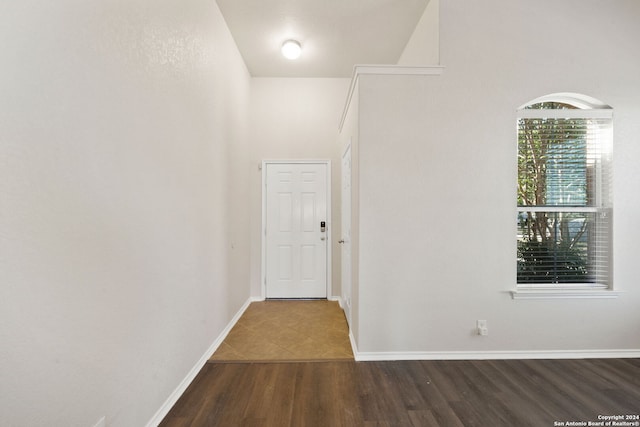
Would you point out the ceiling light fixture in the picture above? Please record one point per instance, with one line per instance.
(291, 49)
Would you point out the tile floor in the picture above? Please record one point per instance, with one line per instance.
(287, 331)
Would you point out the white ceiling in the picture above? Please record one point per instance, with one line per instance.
(335, 34)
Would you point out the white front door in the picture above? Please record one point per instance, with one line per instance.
(297, 230)
(345, 232)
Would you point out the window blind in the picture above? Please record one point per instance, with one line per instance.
(564, 196)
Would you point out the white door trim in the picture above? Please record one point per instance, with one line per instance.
(345, 247)
(263, 270)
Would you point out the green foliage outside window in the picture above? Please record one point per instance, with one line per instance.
(553, 171)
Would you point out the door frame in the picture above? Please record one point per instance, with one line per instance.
(346, 294)
(263, 267)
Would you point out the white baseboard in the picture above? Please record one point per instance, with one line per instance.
(388, 356)
(370, 356)
(493, 355)
(354, 346)
(352, 340)
(336, 298)
(182, 387)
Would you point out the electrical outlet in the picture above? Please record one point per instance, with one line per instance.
(481, 325)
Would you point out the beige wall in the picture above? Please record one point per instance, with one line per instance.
(122, 248)
(437, 159)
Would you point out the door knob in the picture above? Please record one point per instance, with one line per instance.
(341, 241)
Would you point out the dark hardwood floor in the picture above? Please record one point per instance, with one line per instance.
(410, 393)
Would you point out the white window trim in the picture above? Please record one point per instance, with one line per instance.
(567, 290)
(589, 108)
(538, 292)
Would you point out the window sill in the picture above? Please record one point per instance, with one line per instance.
(576, 292)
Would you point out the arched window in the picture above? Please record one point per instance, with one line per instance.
(564, 193)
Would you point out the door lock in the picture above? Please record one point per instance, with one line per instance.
(323, 226)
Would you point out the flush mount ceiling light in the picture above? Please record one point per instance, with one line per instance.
(291, 49)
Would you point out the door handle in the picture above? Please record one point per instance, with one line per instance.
(341, 241)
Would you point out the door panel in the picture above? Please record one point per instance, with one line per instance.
(296, 247)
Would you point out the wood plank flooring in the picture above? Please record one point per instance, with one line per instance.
(409, 393)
